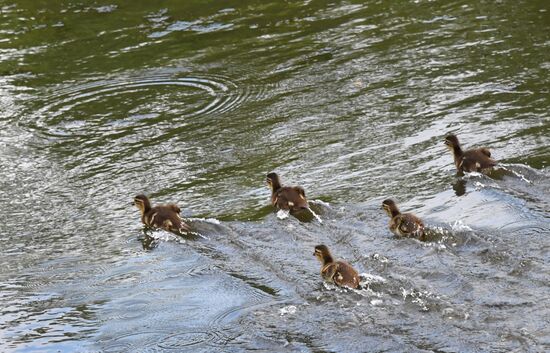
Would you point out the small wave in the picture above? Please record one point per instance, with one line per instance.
(195, 26)
(199, 235)
(206, 220)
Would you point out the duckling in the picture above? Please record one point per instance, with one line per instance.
(291, 198)
(403, 224)
(338, 272)
(166, 217)
(473, 160)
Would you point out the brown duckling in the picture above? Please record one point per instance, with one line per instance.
(166, 217)
(473, 160)
(338, 272)
(403, 224)
(292, 198)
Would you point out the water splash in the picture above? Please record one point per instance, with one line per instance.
(460, 226)
(283, 214)
(291, 309)
(315, 215)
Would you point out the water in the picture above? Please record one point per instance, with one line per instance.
(195, 102)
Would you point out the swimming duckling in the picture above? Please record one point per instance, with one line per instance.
(291, 198)
(403, 224)
(166, 217)
(473, 160)
(338, 272)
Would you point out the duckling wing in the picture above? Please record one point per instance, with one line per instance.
(328, 271)
(301, 201)
(291, 198)
(394, 224)
(409, 224)
(485, 151)
(475, 160)
(345, 275)
(300, 190)
(167, 218)
(174, 207)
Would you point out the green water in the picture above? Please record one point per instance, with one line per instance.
(194, 102)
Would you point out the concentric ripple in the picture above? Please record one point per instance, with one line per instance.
(127, 101)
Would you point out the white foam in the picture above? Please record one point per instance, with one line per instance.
(473, 174)
(282, 214)
(320, 202)
(166, 236)
(479, 185)
(519, 175)
(380, 258)
(315, 215)
(369, 278)
(206, 220)
(291, 309)
(460, 226)
(331, 286)
(200, 235)
(376, 302)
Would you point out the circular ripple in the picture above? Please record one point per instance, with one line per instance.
(186, 339)
(214, 337)
(133, 342)
(66, 112)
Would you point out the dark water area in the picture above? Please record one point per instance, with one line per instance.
(194, 102)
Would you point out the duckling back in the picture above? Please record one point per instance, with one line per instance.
(290, 198)
(166, 217)
(340, 273)
(476, 160)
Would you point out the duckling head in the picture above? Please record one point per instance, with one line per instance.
(142, 202)
(273, 181)
(390, 207)
(451, 141)
(322, 253)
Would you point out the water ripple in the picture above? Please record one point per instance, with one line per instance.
(147, 97)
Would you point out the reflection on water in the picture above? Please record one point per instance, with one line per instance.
(193, 103)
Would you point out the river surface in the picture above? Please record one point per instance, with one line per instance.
(194, 102)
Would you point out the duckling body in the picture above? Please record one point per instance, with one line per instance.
(472, 160)
(403, 224)
(292, 198)
(166, 216)
(339, 273)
